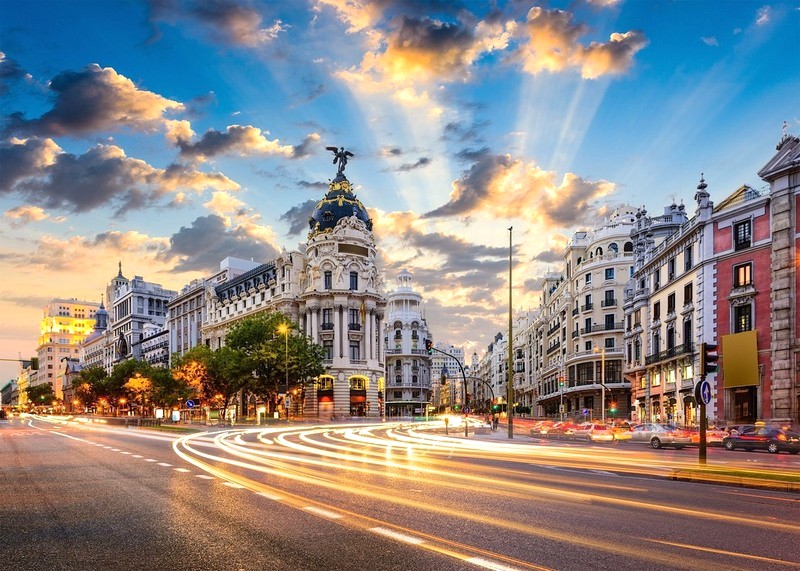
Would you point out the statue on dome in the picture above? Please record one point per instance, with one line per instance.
(340, 156)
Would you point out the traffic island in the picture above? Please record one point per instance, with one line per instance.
(741, 478)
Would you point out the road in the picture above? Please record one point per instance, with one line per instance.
(85, 496)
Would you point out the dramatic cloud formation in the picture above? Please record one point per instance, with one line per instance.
(229, 22)
(506, 187)
(297, 217)
(46, 176)
(209, 240)
(96, 99)
(552, 45)
(243, 140)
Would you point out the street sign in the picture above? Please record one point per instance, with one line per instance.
(189, 404)
(702, 392)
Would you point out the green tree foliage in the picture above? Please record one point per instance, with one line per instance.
(212, 376)
(88, 384)
(41, 395)
(268, 346)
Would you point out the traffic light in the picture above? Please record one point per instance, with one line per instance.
(709, 358)
(560, 381)
(612, 408)
(429, 346)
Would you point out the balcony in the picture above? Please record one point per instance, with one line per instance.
(608, 303)
(554, 328)
(671, 353)
(354, 326)
(597, 328)
(575, 312)
(327, 327)
(587, 307)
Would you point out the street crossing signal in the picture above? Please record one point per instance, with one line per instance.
(613, 408)
(709, 358)
(560, 381)
(429, 346)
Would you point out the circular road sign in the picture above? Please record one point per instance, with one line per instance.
(702, 391)
(189, 404)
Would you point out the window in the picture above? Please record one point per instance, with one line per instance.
(609, 343)
(587, 346)
(398, 395)
(742, 234)
(687, 259)
(414, 379)
(671, 303)
(688, 292)
(328, 279)
(671, 268)
(742, 318)
(355, 351)
(613, 248)
(327, 347)
(588, 278)
(357, 383)
(657, 310)
(397, 380)
(609, 273)
(609, 318)
(353, 314)
(353, 281)
(743, 275)
(657, 279)
(327, 318)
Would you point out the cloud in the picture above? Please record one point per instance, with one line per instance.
(26, 214)
(710, 41)
(10, 70)
(505, 187)
(297, 217)
(56, 255)
(229, 22)
(96, 99)
(225, 203)
(763, 16)
(46, 176)
(552, 45)
(420, 163)
(201, 246)
(243, 140)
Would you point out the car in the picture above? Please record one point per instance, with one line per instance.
(660, 435)
(767, 438)
(594, 431)
(622, 432)
(714, 436)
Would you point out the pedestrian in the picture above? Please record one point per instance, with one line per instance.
(495, 421)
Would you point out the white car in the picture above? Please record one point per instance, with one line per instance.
(660, 435)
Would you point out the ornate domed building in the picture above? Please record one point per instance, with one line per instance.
(332, 289)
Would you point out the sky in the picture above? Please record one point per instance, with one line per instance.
(169, 135)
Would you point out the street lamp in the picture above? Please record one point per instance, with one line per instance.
(283, 328)
(602, 352)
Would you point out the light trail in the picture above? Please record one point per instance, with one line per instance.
(325, 457)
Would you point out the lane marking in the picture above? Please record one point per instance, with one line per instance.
(164, 464)
(150, 460)
(137, 456)
(182, 469)
(123, 452)
(204, 476)
(489, 564)
(397, 535)
(270, 496)
(322, 512)
(233, 485)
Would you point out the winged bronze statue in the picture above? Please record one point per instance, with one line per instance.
(340, 156)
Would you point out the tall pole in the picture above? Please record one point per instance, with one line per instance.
(510, 391)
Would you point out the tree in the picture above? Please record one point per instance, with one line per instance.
(40, 395)
(268, 349)
(89, 383)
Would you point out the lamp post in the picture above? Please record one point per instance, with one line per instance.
(602, 352)
(284, 329)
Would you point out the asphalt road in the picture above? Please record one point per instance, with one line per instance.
(82, 496)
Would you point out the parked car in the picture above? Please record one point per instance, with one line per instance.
(773, 440)
(660, 435)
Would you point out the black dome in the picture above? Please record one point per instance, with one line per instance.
(339, 202)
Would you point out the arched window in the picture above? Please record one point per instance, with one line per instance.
(628, 247)
(599, 251)
(613, 248)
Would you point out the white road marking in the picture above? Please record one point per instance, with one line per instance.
(150, 460)
(138, 456)
(164, 464)
(270, 496)
(182, 469)
(233, 485)
(123, 452)
(322, 512)
(205, 476)
(397, 535)
(488, 564)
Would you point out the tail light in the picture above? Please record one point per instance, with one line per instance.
(782, 437)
